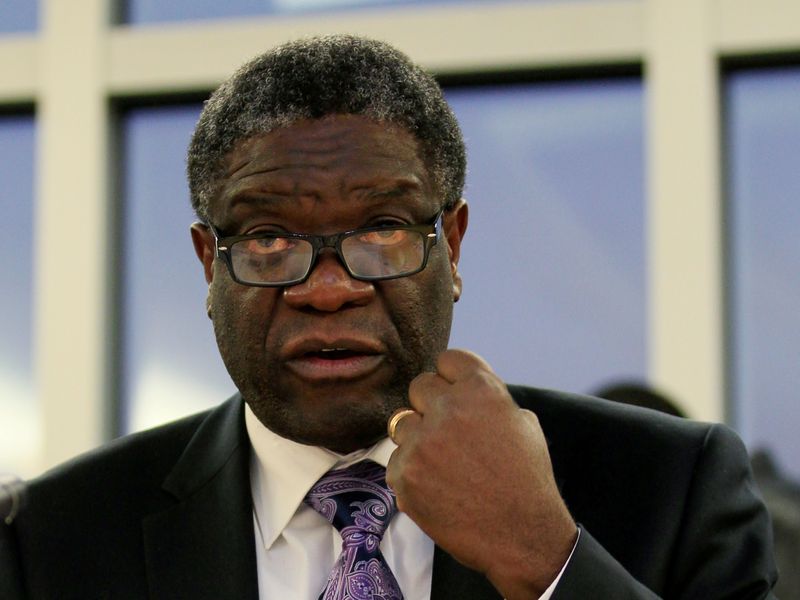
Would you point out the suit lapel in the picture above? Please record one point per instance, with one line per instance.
(203, 546)
(451, 580)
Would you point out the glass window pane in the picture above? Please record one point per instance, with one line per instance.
(156, 11)
(170, 361)
(763, 112)
(20, 433)
(553, 259)
(19, 15)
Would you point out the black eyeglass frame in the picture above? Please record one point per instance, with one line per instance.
(431, 231)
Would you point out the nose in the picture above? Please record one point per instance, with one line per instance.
(329, 287)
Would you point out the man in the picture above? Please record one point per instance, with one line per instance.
(327, 175)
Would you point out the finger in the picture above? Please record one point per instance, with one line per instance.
(393, 475)
(402, 422)
(454, 364)
(424, 390)
(533, 422)
(530, 416)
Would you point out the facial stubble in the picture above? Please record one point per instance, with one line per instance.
(333, 416)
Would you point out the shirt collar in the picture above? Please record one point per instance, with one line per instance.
(282, 472)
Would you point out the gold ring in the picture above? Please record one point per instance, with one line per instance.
(398, 416)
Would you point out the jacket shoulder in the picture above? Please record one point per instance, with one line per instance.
(81, 524)
(131, 461)
(656, 491)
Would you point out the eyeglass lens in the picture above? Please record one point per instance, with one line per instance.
(271, 260)
(380, 253)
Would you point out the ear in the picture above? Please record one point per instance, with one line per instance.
(455, 226)
(203, 241)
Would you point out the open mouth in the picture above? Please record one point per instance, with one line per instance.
(334, 353)
(334, 364)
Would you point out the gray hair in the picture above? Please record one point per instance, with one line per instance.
(316, 77)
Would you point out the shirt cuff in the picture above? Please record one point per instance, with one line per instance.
(552, 587)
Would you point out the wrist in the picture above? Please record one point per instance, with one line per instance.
(528, 573)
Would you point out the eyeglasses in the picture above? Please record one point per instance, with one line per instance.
(272, 259)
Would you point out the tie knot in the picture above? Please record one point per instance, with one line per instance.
(356, 500)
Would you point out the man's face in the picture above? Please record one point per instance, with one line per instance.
(327, 361)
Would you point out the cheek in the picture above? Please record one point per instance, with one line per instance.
(422, 310)
(241, 314)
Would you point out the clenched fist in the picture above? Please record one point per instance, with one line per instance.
(473, 471)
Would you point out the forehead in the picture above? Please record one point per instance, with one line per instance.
(340, 158)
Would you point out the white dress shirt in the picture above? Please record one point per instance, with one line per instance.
(296, 547)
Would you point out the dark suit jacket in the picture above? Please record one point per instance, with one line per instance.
(782, 497)
(668, 509)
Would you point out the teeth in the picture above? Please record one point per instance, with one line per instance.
(333, 350)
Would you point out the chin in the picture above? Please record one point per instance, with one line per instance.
(339, 424)
(344, 438)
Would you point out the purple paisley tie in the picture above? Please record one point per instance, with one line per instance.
(358, 503)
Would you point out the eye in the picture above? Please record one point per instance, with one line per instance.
(384, 237)
(269, 245)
